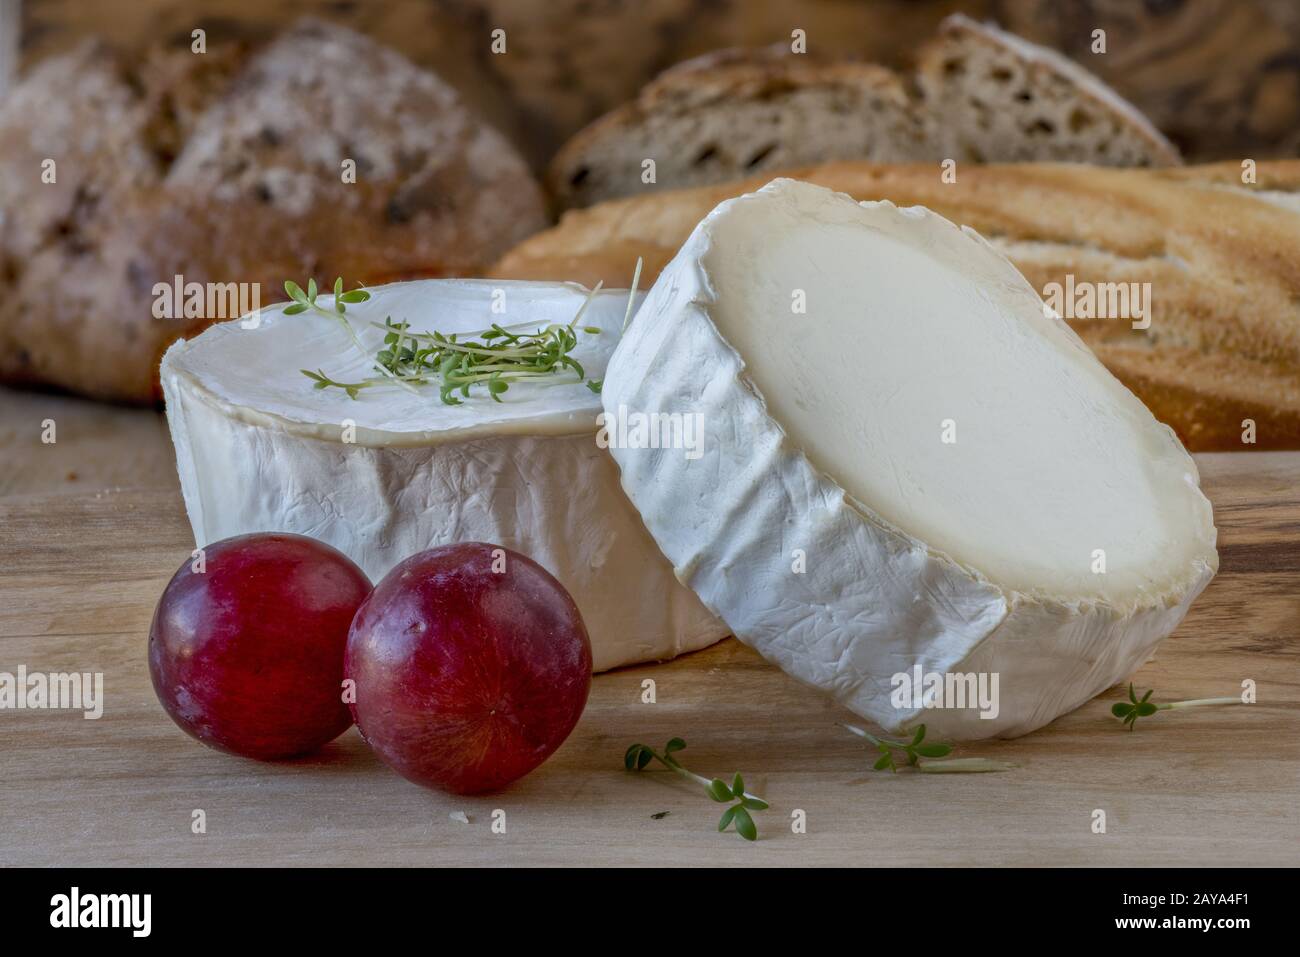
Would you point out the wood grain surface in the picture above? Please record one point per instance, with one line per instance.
(80, 573)
(96, 446)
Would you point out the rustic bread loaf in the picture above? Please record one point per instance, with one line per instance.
(79, 113)
(1223, 260)
(225, 169)
(980, 95)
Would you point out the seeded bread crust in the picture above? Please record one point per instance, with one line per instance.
(1223, 261)
(227, 167)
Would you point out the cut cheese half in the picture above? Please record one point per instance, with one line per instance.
(907, 464)
(392, 472)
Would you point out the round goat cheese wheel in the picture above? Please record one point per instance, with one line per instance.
(909, 484)
(394, 471)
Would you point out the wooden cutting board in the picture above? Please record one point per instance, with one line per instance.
(80, 573)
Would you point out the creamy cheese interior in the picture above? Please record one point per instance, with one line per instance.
(906, 342)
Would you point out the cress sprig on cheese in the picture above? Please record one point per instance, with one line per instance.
(306, 299)
(494, 357)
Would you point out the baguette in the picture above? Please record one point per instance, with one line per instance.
(1223, 259)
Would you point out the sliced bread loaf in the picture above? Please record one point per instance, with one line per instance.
(981, 94)
(731, 114)
(989, 95)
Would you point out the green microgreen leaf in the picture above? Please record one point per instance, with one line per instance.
(916, 749)
(719, 791)
(745, 824)
(322, 381)
(637, 756)
(1129, 711)
(933, 750)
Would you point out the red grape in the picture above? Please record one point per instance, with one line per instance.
(472, 665)
(247, 654)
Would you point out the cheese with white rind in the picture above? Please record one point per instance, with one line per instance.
(906, 462)
(392, 473)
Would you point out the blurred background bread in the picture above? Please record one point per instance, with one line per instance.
(719, 118)
(1221, 78)
(980, 95)
(991, 96)
(228, 167)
